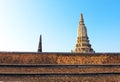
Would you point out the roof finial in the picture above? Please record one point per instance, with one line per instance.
(81, 19)
(40, 44)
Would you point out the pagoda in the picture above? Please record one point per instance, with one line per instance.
(82, 43)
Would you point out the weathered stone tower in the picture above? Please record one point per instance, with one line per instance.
(82, 44)
(40, 44)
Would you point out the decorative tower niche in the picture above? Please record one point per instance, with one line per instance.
(82, 43)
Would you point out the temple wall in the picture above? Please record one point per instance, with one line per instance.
(101, 78)
(59, 67)
(59, 58)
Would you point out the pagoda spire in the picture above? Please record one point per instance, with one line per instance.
(40, 44)
(82, 44)
(81, 19)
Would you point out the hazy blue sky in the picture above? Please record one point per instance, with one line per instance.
(22, 22)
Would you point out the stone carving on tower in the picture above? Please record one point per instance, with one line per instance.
(82, 43)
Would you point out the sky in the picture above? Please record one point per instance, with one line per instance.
(22, 22)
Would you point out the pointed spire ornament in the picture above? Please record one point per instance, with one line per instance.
(82, 44)
(40, 44)
(81, 19)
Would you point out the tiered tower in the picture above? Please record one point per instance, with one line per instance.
(82, 44)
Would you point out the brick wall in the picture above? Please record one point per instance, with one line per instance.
(59, 67)
(59, 58)
(97, 78)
